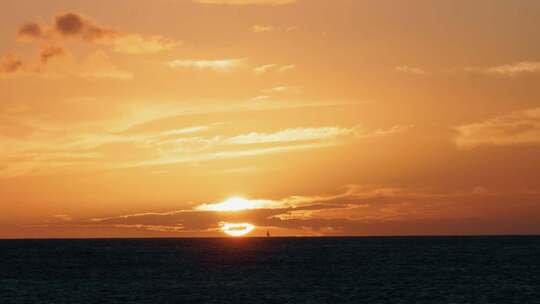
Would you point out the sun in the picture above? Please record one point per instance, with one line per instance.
(232, 204)
(237, 229)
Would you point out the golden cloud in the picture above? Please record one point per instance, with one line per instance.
(522, 127)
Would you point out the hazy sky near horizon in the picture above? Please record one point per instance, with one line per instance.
(331, 117)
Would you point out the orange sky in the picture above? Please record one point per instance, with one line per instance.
(136, 118)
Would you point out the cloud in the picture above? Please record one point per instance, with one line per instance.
(261, 28)
(137, 44)
(509, 70)
(290, 135)
(49, 52)
(173, 157)
(283, 90)
(162, 138)
(258, 28)
(263, 68)
(247, 2)
(252, 144)
(30, 31)
(410, 70)
(209, 217)
(522, 127)
(75, 26)
(358, 210)
(272, 67)
(10, 63)
(216, 65)
(285, 68)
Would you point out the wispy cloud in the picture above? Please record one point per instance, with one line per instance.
(291, 135)
(138, 44)
(509, 70)
(56, 148)
(259, 28)
(173, 157)
(283, 90)
(410, 70)
(216, 65)
(263, 68)
(522, 127)
(253, 144)
(272, 67)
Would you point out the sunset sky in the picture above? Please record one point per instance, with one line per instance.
(176, 118)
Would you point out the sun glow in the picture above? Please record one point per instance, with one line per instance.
(237, 230)
(232, 204)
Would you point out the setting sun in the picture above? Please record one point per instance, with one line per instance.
(232, 204)
(237, 229)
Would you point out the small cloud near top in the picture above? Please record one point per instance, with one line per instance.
(75, 26)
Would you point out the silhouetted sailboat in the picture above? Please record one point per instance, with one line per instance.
(267, 233)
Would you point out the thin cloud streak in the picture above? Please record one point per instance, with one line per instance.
(509, 70)
(273, 67)
(168, 160)
(258, 28)
(410, 70)
(291, 135)
(215, 65)
(522, 127)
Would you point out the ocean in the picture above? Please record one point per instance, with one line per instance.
(272, 270)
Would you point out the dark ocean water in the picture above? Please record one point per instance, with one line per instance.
(274, 270)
